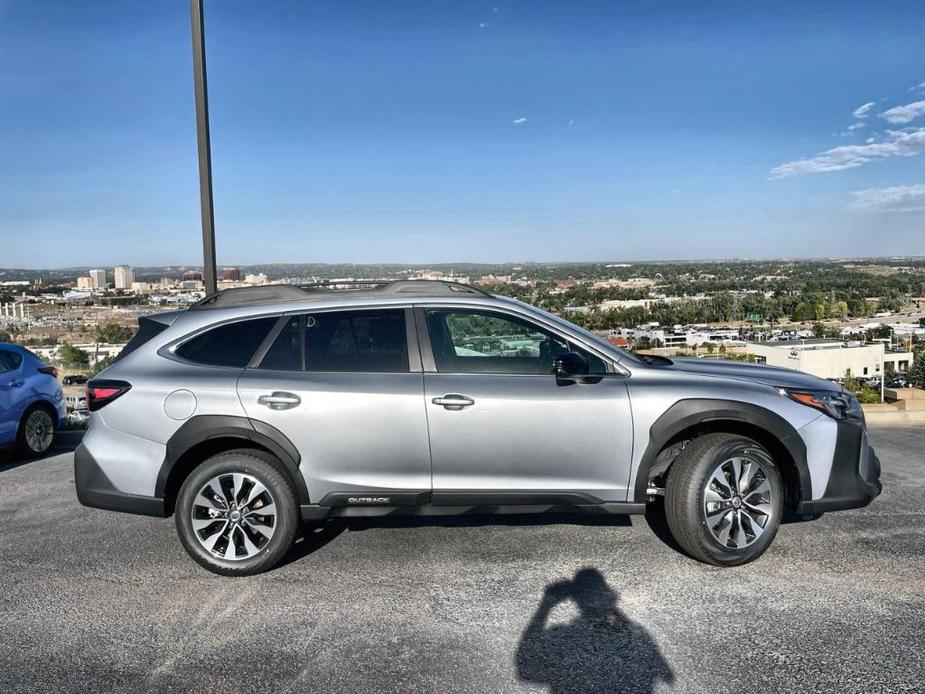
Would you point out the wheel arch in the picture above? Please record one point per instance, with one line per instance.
(39, 403)
(203, 436)
(690, 418)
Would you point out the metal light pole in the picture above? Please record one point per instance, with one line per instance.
(205, 147)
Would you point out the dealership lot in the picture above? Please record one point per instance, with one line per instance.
(98, 601)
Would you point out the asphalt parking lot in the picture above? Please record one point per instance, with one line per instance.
(92, 601)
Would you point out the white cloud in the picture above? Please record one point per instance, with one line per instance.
(863, 110)
(896, 143)
(904, 114)
(519, 121)
(892, 199)
(857, 125)
(917, 87)
(482, 25)
(870, 139)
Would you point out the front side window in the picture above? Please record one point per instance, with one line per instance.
(370, 341)
(466, 341)
(231, 344)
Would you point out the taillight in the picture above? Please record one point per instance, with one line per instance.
(100, 393)
(50, 370)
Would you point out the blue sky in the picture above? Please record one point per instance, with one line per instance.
(477, 131)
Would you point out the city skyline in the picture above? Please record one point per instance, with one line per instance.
(434, 134)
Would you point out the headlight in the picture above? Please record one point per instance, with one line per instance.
(835, 404)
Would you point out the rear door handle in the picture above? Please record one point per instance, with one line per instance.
(280, 400)
(15, 384)
(454, 401)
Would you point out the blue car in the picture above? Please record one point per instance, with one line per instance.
(31, 401)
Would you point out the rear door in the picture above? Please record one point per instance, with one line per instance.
(346, 387)
(11, 391)
(504, 428)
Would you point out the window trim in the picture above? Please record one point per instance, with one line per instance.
(430, 362)
(412, 339)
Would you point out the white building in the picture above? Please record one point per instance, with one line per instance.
(124, 276)
(97, 279)
(84, 283)
(831, 359)
(260, 278)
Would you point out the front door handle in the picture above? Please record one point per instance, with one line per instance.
(454, 401)
(15, 384)
(280, 400)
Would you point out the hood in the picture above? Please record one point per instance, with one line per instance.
(756, 373)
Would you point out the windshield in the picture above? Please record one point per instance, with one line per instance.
(597, 340)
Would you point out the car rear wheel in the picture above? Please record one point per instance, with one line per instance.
(36, 432)
(236, 514)
(724, 499)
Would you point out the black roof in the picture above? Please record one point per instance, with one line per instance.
(279, 293)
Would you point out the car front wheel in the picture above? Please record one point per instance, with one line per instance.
(237, 514)
(724, 499)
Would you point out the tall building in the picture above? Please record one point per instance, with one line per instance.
(124, 277)
(231, 274)
(84, 283)
(98, 279)
(192, 276)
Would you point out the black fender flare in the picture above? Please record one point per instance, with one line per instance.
(201, 428)
(694, 412)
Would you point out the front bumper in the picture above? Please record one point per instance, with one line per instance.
(94, 489)
(854, 480)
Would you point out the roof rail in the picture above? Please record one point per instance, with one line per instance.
(276, 293)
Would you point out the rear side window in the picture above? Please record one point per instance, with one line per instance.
(231, 344)
(371, 341)
(9, 360)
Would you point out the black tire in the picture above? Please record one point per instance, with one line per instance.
(266, 470)
(686, 499)
(26, 444)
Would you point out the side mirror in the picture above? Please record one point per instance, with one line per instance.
(571, 364)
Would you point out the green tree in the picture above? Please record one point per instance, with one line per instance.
(101, 364)
(916, 373)
(113, 332)
(69, 355)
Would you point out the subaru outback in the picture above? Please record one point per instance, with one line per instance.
(259, 408)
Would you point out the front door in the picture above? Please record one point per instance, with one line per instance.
(341, 386)
(503, 427)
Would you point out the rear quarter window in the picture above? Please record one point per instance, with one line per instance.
(230, 344)
(9, 360)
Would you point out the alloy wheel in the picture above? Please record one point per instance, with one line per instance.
(234, 516)
(737, 502)
(39, 431)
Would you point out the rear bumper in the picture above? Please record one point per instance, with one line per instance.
(94, 489)
(854, 480)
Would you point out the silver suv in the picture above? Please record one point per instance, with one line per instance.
(258, 408)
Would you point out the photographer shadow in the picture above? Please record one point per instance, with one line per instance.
(600, 650)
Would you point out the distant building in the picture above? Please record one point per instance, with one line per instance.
(124, 276)
(231, 274)
(256, 279)
(831, 359)
(97, 279)
(145, 287)
(84, 283)
(192, 276)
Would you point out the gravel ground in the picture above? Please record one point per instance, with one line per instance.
(93, 601)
